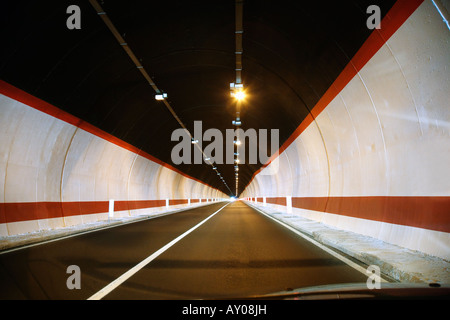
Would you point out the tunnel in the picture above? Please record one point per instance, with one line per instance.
(138, 125)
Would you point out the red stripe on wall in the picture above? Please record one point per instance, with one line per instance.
(393, 20)
(26, 211)
(174, 202)
(277, 200)
(29, 211)
(138, 204)
(313, 203)
(82, 207)
(431, 213)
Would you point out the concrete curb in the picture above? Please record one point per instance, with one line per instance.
(400, 264)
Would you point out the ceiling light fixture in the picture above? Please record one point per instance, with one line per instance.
(160, 96)
(240, 95)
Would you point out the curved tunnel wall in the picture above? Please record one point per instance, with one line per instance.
(373, 157)
(57, 171)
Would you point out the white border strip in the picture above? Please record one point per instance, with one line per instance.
(321, 246)
(113, 285)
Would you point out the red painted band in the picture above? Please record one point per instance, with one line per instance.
(277, 200)
(26, 211)
(138, 204)
(431, 213)
(174, 202)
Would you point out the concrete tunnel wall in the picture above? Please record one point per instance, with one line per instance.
(374, 156)
(58, 171)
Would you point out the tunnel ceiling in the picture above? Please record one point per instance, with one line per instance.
(292, 53)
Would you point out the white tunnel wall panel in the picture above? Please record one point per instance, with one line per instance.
(29, 166)
(55, 174)
(370, 140)
(345, 168)
(140, 184)
(164, 177)
(380, 148)
(316, 161)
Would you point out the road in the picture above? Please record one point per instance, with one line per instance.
(236, 253)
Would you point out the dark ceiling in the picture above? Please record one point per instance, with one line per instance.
(293, 51)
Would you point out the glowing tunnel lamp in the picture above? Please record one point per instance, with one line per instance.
(240, 95)
(237, 91)
(160, 96)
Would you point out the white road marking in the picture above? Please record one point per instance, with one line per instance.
(113, 285)
(321, 246)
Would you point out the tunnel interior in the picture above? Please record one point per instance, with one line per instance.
(360, 112)
(293, 51)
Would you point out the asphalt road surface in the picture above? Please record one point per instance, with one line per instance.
(236, 253)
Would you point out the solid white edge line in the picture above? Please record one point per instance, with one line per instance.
(321, 246)
(113, 285)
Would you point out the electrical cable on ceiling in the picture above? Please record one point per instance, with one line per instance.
(98, 8)
(239, 30)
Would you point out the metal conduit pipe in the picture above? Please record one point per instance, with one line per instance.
(98, 8)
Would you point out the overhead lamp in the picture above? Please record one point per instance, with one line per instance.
(240, 95)
(237, 90)
(160, 96)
